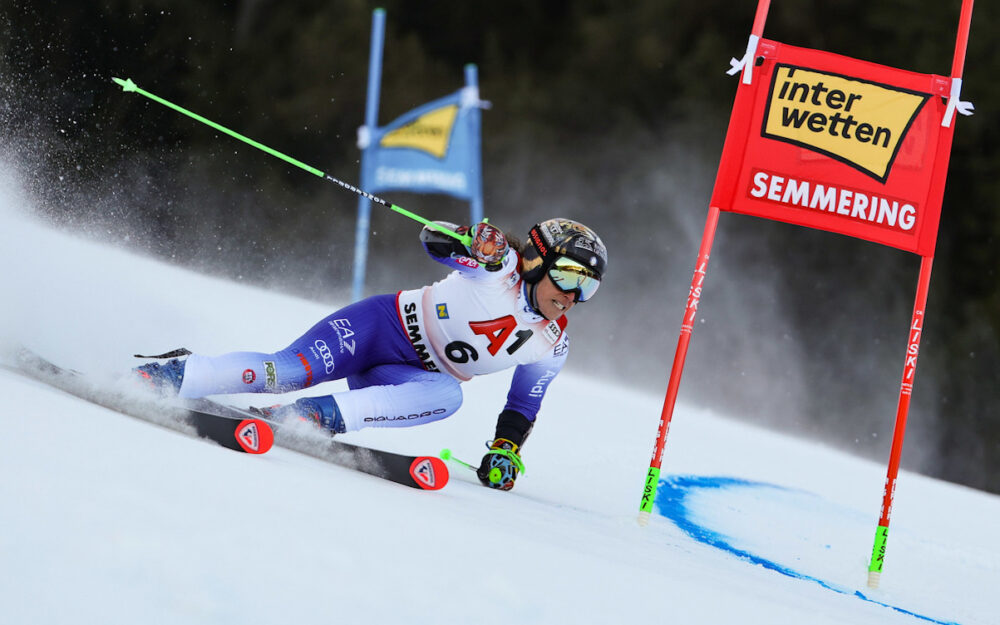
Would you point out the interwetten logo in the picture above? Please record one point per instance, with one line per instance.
(860, 123)
(429, 133)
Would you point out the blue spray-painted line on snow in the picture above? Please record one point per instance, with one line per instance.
(670, 500)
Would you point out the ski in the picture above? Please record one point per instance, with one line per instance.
(422, 472)
(243, 433)
(236, 428)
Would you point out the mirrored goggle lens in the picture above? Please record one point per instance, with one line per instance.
(570, 276)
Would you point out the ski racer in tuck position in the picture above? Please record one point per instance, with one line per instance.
(404, 355)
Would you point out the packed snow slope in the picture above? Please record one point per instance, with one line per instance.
(107, 519)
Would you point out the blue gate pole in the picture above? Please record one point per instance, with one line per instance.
(371, 122)
(476, 166)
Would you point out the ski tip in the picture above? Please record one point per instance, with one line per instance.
(429, 473)
(254, 436)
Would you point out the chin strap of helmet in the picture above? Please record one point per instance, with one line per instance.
(533, 297)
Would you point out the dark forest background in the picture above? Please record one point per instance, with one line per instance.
(608, 112)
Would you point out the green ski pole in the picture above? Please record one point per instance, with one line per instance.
(129, 86)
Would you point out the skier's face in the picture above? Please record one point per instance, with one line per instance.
(552, 302)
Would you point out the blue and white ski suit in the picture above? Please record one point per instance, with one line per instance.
(405, 355)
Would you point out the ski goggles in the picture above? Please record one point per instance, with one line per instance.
(570, 276)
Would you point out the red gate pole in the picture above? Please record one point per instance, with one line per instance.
(962, 39)
(687, 326)
(916, 328)
(691, 310)
(902, 410)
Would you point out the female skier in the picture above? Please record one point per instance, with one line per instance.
(405, 354)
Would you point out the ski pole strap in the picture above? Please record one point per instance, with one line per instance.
(510, 455)
(128, 86)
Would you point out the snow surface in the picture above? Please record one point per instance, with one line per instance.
(107, 519)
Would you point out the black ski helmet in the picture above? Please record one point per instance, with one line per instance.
(559, 237)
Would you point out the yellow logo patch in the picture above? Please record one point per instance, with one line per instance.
(430, 132)
(860, 123)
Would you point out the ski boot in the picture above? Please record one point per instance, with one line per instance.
(164, 378)
(322, 411)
